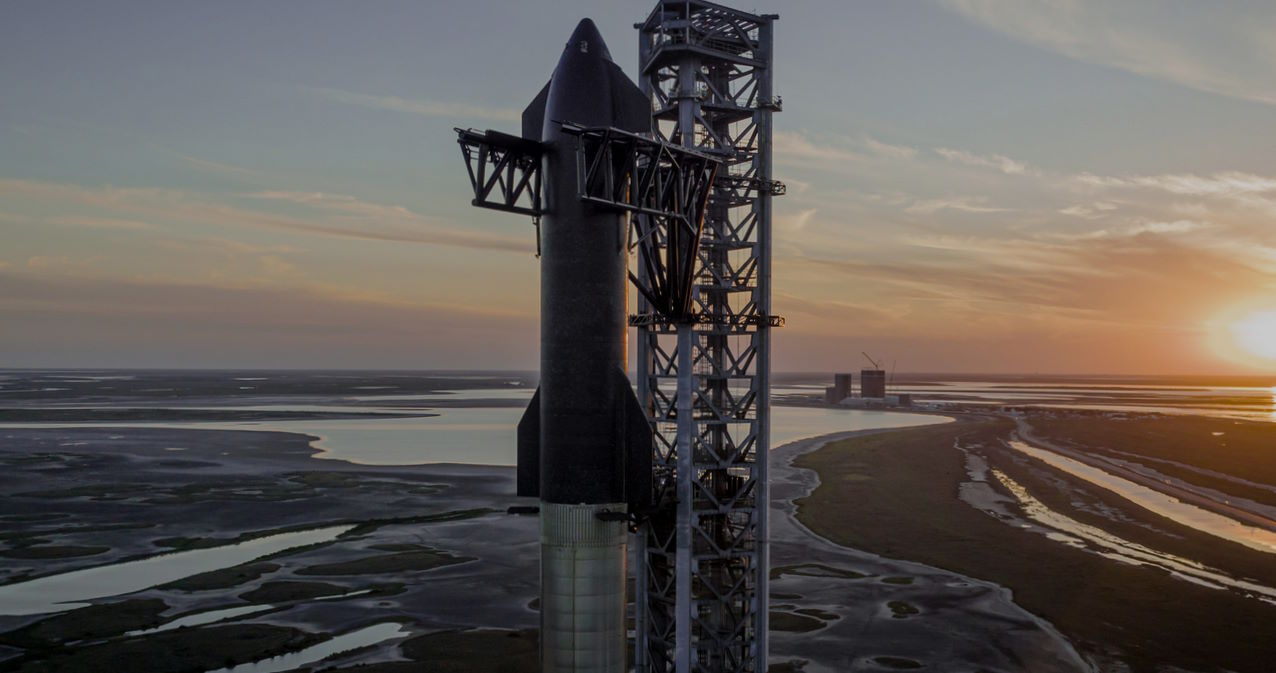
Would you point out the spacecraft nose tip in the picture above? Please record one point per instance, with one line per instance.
(587, 39)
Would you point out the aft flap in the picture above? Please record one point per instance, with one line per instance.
(637, 437)
(529, 449)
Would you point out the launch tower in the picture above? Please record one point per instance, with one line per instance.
(702, 554)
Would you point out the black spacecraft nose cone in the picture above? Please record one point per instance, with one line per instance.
(588, 40)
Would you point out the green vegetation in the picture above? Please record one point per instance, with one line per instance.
(488, 650)
(284, 592)
(52, 552)
(34, 517)
(86, 623)
(371, 526)
(397, 546)
(788, 621)
(900, 609)
(326, 479)
(91, 491)
(178, 651)
(240, 489)
(819, 614)
(897, 662)
(815, 570)
(398, 562)
(182, 543)
(225, 578)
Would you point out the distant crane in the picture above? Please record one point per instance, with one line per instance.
(870, 359)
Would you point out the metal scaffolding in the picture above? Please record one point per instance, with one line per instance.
(703, 376)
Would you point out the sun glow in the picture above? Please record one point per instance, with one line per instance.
(1256, 334)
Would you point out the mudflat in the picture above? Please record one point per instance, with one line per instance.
(427, 546)
(898, 494)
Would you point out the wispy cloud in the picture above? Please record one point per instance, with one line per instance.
(994, 161)
(221, 168)
(1219, 184)
(794, 223)
(1175, 227)
(49, 262)
(1109, 280)
(1195, 45)
(447, 109)
(888, 150)
(798, 149)
(963, 204)
(228, 246)
(99, 321)
(1137, 228)
(325, 214)
(101, 223)
(1089, 211)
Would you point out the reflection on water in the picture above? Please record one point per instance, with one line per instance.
(67, 591)
(474, 435)
(1156, 502)
(201, 618)
(214, 616)
(792, 423)
(1073, 533)
(1240, 402)
(364, 637)
(487, 436)
(446, 395)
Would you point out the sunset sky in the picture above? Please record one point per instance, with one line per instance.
(1063, 186)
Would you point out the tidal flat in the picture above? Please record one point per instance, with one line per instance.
(249, 536)
(167, 539)
(906, 494)
(424, 553)
(339, 547)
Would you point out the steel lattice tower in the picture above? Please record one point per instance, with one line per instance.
(702, 553)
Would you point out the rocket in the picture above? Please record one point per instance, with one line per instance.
(584, 443)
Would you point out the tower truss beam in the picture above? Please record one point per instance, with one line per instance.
(504, 170)
(703, 379)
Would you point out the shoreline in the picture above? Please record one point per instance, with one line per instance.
(864, 606)
(903, 502)
(99, 476)
(969, 617)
